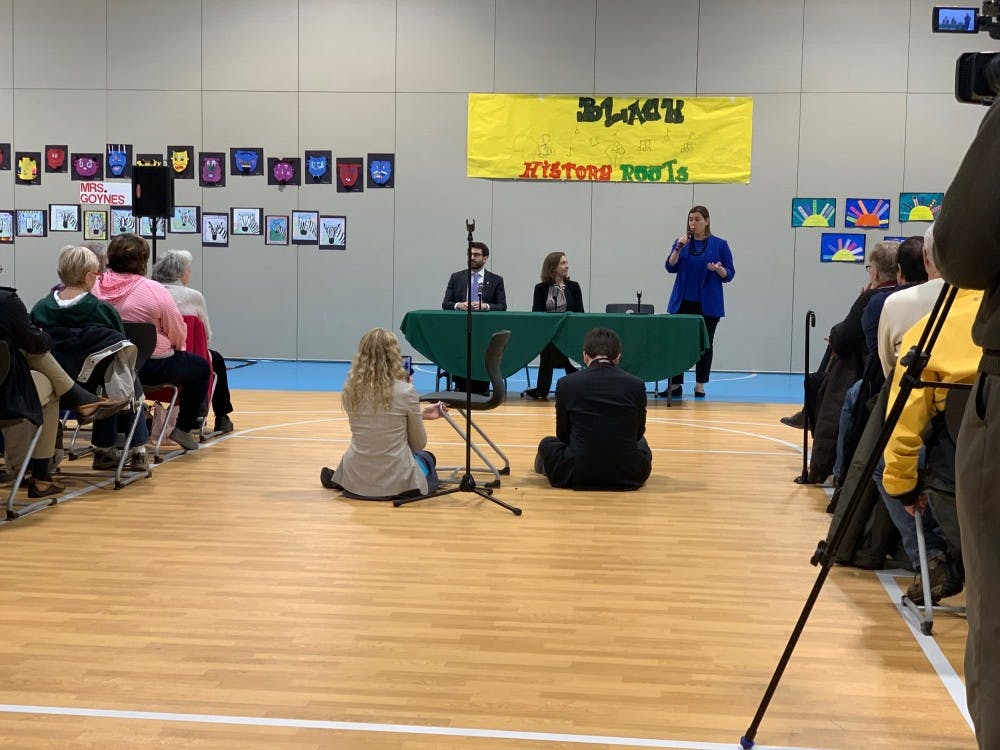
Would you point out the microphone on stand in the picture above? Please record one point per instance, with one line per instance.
(638, 301)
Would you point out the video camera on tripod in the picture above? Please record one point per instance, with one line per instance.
(977, 74)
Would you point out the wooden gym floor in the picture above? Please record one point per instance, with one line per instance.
(232, 602)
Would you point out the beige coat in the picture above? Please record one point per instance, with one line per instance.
(379, 462)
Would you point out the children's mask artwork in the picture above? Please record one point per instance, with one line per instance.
(181, 160)
(86, 167)
(381, 170)
(284, 171)
(55, 159)
(349, 171)
(318, 167)
(213, 170)
(119, 160)
(247, 161)
(27, 168)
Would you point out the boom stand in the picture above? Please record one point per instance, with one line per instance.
(468, 482)
(915, 361)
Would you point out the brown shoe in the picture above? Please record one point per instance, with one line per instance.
(41, 488)
(100, 409)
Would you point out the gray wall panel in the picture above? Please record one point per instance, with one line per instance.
(933, 153)
(347, 45)
(433, 198)
(6, 44)
(646, 46)
(749, 47)
(444, 45)
(143, 54)
(545, 48)
(60, 45)
(247, 45)
(842, 54)
(932, 56)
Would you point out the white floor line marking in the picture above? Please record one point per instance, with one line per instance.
(354, 726)
(939, 662)
(701, 426)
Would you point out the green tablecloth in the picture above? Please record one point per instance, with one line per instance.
(654, 347)
(440, 336)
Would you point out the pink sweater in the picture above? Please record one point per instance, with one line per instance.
(143, 300)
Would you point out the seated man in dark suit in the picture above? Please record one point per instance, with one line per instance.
(487, 294)
(600, 421)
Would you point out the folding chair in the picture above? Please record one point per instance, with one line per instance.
(954, 408)
(5, 366)
(141, 334)
(197, 343)
(455, 400)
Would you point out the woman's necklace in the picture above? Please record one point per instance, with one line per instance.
(695, 250)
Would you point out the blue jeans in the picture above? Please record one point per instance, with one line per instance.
(907, 525)
(846, 417)
(106, 430)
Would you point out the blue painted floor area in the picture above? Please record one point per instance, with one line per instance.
(288, 375)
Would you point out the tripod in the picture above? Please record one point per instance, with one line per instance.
(826, 553)
(468, 482)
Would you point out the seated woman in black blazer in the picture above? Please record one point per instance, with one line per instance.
(555, 293)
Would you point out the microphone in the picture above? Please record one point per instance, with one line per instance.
(638, 301)
(555, 296)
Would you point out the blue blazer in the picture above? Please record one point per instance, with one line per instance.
(717, 251)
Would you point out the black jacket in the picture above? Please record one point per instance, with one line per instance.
(492, 290)
(574, 297)
(601, 417)
(18, 395)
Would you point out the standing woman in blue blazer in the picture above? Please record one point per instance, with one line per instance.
(702, 263)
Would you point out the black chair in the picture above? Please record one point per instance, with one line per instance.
(456, 401)
(629, 308)
(5, 365)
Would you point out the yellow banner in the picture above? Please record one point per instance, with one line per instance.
(610, 138)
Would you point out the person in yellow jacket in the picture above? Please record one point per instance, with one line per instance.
(921, 425)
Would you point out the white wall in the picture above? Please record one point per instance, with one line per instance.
(852, 98)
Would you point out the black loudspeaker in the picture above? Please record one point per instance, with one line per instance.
(152, 192)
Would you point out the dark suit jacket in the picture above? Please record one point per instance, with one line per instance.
(574, 297)
(601, 417)
(492, 289)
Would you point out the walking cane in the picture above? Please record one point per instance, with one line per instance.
(803, 478)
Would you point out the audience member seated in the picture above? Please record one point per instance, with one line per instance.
(555, 293)
(921, 429)
(32, 392)
(600, 423)
(142, 300)
(856, 408)
(487, 294)
(173, 270)
(845, 363)
(80, 324)
(387, 456)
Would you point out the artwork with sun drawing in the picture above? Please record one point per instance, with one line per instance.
(867, 213)
(842, 248)
(919, 206)
(814, 212)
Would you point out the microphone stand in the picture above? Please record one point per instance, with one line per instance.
(468, 482)
(638, 302)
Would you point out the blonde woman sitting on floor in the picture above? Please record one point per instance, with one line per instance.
(386, 458)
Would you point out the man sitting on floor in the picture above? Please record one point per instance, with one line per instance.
(600, 421)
